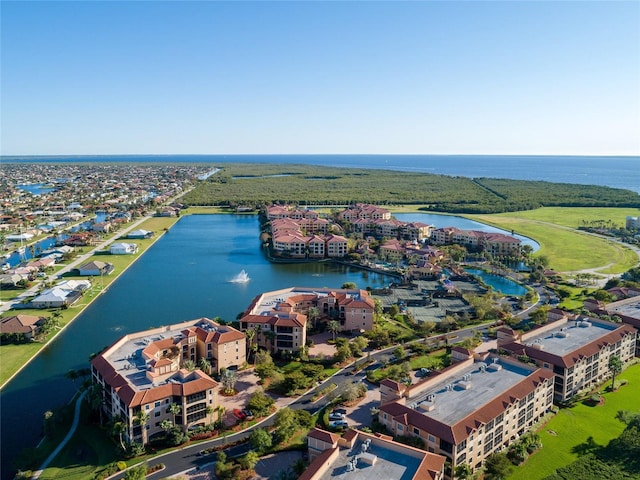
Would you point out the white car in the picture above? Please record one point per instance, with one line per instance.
(336, 416)
(338, 423)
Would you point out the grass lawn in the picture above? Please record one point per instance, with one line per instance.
(433, 361)
(566, 249)
(573, 426)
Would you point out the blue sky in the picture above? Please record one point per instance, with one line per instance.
(509, 77)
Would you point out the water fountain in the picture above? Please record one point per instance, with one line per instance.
(242, 277)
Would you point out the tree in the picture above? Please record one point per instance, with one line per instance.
(249, 461)
(312, 315)
(117, 429)
(462, 472)
(95, 398)
(358, 345)
(166, 425)
(615, 367)
(260, 403)
(229, 379)
(285, 423)
(141, 418)
(260, 440)
(349, 286)
(205, 365)
(399, 352)
(136, 473)
(250, 333)
(175, 409)
(497, 466)
(189, 365)
(334, 327)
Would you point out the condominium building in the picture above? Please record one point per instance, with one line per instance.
(358, 455)
(627, 309)
(144, 373)
(575, 348)
(471, 409)
(280, 316)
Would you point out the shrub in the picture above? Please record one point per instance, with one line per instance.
(121, 465)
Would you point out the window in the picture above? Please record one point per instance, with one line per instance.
(157, 404)
(400, 427)
(157, 414)
(431, 438)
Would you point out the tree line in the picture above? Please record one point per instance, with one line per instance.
(254, 185)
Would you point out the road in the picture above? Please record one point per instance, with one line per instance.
(188, 458)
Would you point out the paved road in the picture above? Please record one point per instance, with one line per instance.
(188, 458)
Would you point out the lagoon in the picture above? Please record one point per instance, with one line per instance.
(498, 283)
(187, 274)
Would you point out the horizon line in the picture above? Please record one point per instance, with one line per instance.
(52, 155)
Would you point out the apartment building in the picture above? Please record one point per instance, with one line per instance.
(494, 243)
(358, 455)
(143, 374)
(280, 316)
(365, 212)
(627, 309)
(575, 348)
(471, 409)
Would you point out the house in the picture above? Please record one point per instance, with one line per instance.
(122, 248)
(576, 349)
(101, 227)
(95, 268)
(27, 325)
(140, 234)
(475, 407)
(361, 455)
(145, 372)
(56, 297)
(77, 285)
(11, 280)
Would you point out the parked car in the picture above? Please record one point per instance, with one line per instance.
(239, 414)
(338, 424)
(248, 413)
(423, 372)
(342, 411)
(336, 416)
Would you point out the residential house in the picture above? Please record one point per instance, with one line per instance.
(56, 297)
(26, 325)
(122, 248)
(140, 234)
(95, 268)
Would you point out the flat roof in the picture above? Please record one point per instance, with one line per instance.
(268, 301)
(126, 358)
(486, 381)
(570, 336)
(630, 309)
(389, 464)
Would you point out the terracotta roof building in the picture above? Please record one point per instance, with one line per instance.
(144, 372)
(575, 348)
(362, 456)
(27, 325)
(471, 409)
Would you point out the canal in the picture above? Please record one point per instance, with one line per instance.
(187, 274)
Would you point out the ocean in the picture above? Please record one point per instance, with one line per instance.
(616, 172)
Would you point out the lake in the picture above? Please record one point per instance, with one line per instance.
(187, 274)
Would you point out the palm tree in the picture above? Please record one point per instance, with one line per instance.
(334, 327)
(166, 425)
(118, 428)
(615, 367)
(141, 418)
(189, 365)
(250, 333)
(95, 398)
(313, 314)
(204, 365)
(175, 409)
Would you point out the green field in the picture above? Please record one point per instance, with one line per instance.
(568, 250)
(571, 427)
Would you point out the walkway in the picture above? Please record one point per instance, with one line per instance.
(72, 430)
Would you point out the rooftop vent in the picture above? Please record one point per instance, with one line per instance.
(449, 387)
(585, 324)
(482, 366)
(561, 334)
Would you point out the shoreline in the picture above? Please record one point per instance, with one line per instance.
(95, 296)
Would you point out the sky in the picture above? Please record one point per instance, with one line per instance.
(320, 77)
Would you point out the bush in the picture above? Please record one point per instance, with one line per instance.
(121, 465)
